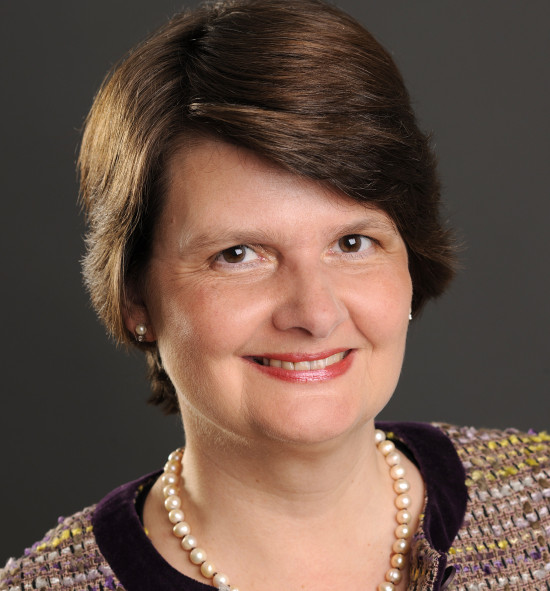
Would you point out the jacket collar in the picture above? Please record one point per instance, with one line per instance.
(447, 496)
(121, 538)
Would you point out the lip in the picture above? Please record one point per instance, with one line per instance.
(296, 357)
(303, 376)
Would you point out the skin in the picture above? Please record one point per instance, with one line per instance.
(273, 456)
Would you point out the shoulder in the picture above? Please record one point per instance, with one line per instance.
(67, 557)
(493, 457)
(509, 441)
(83, 552)
(506, 529)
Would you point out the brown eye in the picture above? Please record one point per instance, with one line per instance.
(352, 242)
(235, 254)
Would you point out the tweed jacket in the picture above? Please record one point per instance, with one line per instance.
(486, 523)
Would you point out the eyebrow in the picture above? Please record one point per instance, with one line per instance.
(227, 237)
(380, 223)
(190, 244)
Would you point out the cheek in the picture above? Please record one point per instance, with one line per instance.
(203, 322)
(381, 305)
(202, 330)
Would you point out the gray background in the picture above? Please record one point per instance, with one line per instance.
(73, 419)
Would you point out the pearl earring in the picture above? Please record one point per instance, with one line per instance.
(410, 315)
(140, 331)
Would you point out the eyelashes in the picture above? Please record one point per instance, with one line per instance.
(237, 254)
(245, 256)
(353, 243)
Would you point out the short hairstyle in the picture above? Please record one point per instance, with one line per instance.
(300, 83)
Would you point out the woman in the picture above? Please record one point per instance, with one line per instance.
(264, 223)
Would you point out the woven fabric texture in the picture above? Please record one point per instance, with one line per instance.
(67, 558)
(504, 542)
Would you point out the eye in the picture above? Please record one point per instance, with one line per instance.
(237, 254)
(353, 243)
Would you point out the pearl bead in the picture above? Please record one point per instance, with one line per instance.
(379, 436)
(189, 542)
(168, 478)
(176, 515)
(401, 546)
(141, 330)
(403, 501)
(172, 502)
(197, 556)
(401, 486)
(175, 456)
(220, 579)
(181, 529)
(393, 458)
(208, 570)
(402, 531)
(172, 466)
(169, 490)
(397, 471)
(386, 447)
(393, 575)
(403, 516)
(398, 561)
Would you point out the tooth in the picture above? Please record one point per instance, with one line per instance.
(287, 365)
(275, 362)
(302, 365)
(334, 358)
(318, 364)
(265, 361)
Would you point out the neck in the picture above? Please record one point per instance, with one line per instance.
(290, 489)
(276, 504)
(287, 475)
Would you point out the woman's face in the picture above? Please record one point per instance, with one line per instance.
(280, 308)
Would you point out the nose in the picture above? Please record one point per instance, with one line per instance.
(309, 301)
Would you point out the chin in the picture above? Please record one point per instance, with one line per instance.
(317, 422)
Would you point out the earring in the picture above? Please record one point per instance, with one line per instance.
(410, 315)
(140, 332)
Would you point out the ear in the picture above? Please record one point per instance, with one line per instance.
(136, 316)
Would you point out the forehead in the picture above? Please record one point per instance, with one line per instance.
(214, 165)
(219, 195)
(210, 174)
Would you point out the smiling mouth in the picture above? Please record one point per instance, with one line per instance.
(302, 365)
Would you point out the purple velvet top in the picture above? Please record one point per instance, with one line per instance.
(123, 542)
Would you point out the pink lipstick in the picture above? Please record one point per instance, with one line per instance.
(304, 367)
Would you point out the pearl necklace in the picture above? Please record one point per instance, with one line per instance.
(182, 530)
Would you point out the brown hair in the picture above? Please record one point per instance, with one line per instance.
(300, 83)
